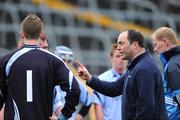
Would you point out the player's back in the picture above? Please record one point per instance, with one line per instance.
(31, 81)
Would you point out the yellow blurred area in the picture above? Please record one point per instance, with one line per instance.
(178, 42)
(92, 17)
(55, 4)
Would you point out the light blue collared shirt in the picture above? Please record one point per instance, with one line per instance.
(111, 105)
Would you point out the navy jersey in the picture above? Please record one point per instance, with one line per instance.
(31, 77)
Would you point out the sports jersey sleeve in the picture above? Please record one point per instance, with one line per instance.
(84, 110)
(1, 102)
(173, 74)
(68, 83)
(3, 84)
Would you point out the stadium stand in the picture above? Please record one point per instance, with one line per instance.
(89, 27)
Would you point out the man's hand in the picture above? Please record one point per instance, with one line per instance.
(62, 117)
(78, 117)
(53, 117)
(57, 117)
(82, 72)
(58, 111)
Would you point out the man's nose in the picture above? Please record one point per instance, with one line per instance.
(155, 50)
(118, 47)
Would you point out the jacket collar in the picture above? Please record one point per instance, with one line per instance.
(166, 56)
(30, 46)
(133, 63)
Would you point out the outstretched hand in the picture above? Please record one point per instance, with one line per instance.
(82, 72)
(53, 117)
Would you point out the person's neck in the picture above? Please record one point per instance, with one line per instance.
(170, 47)
(120, 70)
(139, 52)
(31, 42)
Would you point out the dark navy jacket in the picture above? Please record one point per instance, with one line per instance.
(171, 78)
(141, 88)
(30, 83)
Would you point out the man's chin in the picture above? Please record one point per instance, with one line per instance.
(124, 58)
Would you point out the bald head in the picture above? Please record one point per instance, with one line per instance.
(122, 35)
(132, 36)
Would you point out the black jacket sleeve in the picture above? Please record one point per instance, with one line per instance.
(111, 89)
(3, 83)
(72, 99)
(69, 84)
(84, 110)
(172, 75)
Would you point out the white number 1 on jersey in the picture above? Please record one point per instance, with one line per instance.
(29, 97)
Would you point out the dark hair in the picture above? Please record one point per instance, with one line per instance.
(134, 35)
(32, 26)
(113, 48)
(148, 45)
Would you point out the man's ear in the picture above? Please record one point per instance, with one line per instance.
(135, 44)
(22, 35)
(20, 43)
(42, 35)
(166, 42)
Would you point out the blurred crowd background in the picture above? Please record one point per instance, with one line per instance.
(89, 27)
